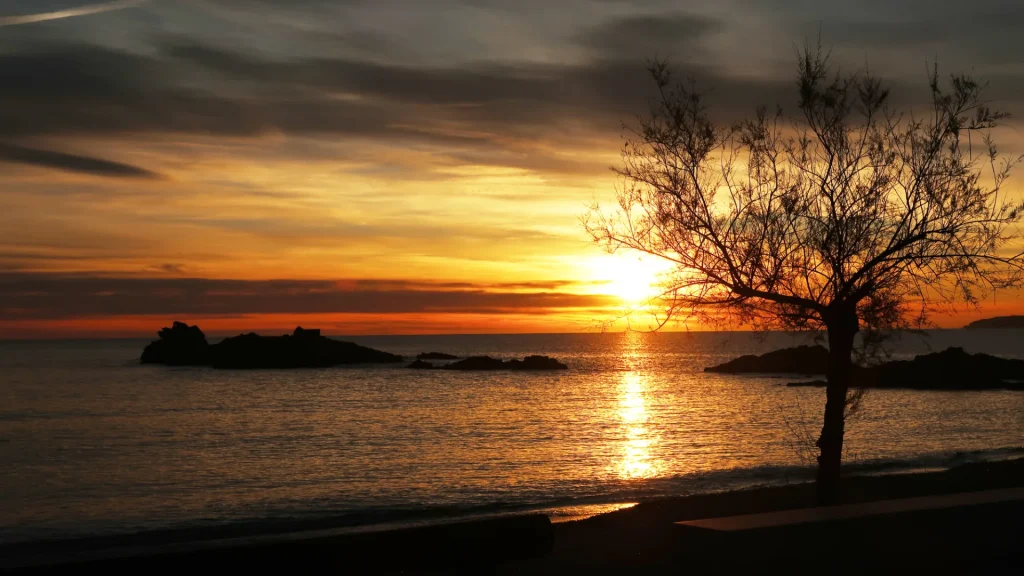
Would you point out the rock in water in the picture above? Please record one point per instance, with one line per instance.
(476, 363)
(537, 363)
(436, 356)
(797, 360)
(301, 349)
(421, 365)
(179, 345)
(488, 363)
(951, 369)
(184, 345)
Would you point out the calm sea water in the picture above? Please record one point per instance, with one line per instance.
(93, 443)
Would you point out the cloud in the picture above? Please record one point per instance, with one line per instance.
(651, 35)
(41, 296)
(528, 115)
(71, 162)
(70, 12)
(168, 268)
(497, 113)
(989, 31)
(486, 107)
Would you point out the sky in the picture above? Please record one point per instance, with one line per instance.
(373, 167)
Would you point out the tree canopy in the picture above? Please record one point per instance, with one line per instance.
(777, 221)
(851, 216)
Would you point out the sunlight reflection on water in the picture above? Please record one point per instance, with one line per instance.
(638, 438)
(637, 461)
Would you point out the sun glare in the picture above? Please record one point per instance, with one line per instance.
(632, 279)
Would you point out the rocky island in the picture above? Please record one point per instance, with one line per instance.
(184, 345)
(951, 369)
(488, 363)
(796, 360)
(436, 356)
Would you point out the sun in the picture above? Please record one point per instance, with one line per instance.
(632, 279)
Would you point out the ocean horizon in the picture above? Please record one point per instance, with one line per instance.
(96, 444)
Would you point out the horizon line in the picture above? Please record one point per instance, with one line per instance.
(336, 335)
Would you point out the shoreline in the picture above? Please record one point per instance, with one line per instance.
(558, 510)
(616, 540)
(599, 537)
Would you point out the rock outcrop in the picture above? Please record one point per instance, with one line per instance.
(488, 363)
(436, 356)
(183, 345)
(798, 360)
(179, 345)
(951, 369)
(301, 349)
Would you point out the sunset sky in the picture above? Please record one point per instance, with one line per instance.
(385, 166)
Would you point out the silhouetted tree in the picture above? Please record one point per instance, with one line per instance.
(851, 217)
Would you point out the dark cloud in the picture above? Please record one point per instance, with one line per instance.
(990, 35)
(168, 268)
(38, 296)
(652, 35)
(500, 114)
(496, 113)
(90, 90)
(71, 162)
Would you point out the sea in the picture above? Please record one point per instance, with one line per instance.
(93, 443)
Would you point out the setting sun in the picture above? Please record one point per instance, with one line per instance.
(632, 279)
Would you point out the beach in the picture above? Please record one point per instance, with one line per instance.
(642, 536)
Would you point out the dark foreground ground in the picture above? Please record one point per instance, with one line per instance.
(986, 538)
(968, 540)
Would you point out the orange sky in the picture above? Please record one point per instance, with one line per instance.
(393, 169)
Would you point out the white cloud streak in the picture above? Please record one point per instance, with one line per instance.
(70, 12)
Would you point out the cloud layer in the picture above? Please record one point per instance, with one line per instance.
(71, 162)
(449, 145)
(48, 297)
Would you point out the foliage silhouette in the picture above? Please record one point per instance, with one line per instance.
(851, 218)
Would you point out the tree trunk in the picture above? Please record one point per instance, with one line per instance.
(842, 327)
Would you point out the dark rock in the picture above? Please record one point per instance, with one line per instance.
(798, 360)
(421, 365)
(488, 363)
(301, 332)
(436, 356)
(302, 349)
(537, 363)
(951, 369)
(179, 345)
(477, 363)
(997, 322)
(186, 345)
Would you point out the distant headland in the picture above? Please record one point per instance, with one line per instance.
(997, 322)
